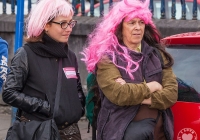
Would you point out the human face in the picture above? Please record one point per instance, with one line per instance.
(132, 32)
(54, 30)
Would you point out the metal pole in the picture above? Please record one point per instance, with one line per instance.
(19, 26)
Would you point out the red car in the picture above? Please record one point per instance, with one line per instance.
(185, 49)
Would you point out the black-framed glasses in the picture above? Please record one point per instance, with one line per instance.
(64, 25)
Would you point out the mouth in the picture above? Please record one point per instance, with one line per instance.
(137, 34)
(65, 35)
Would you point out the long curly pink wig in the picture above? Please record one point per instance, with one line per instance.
(103, 39)
(43, 12)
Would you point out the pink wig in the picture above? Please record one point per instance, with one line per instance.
(43, 12)
(103, 39)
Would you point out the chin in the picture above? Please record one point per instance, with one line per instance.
(64, 41)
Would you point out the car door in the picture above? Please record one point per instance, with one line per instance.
(185, 49)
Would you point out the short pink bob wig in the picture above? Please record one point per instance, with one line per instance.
(103, 39)
(43, 12)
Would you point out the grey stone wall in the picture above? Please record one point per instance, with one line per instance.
(85, 25)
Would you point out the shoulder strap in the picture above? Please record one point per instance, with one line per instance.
(58, 88)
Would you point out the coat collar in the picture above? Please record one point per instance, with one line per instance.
(49, 48)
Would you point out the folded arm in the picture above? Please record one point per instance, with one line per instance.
(162, 96)
(122, 95)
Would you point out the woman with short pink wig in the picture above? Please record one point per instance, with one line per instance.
(31, 85)
(134, 74)
(42, 15)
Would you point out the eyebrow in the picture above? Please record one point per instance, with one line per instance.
(66, 20)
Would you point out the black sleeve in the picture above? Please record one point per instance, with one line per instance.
(12, 92)
(81, 94)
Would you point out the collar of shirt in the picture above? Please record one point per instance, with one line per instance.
(138, 49)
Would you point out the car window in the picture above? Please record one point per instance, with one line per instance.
(187, 69)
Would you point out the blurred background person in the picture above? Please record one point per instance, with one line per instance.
(4, 61)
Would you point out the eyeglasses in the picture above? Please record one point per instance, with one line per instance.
(64, 25)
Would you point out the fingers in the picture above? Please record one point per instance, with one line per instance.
(154, 86)
(147, 101)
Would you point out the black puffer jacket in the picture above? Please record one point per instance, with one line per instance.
(31, 83)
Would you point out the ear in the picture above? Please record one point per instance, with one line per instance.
(46, 27)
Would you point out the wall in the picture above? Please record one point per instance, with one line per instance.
(85, 25)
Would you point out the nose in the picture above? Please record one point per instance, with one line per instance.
(137, 26)
(68, 28)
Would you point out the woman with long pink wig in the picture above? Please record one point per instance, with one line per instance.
(44, 72)
(134, 74)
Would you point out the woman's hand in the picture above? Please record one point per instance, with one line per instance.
(121, 81)
(147, 101)
(154, 86)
